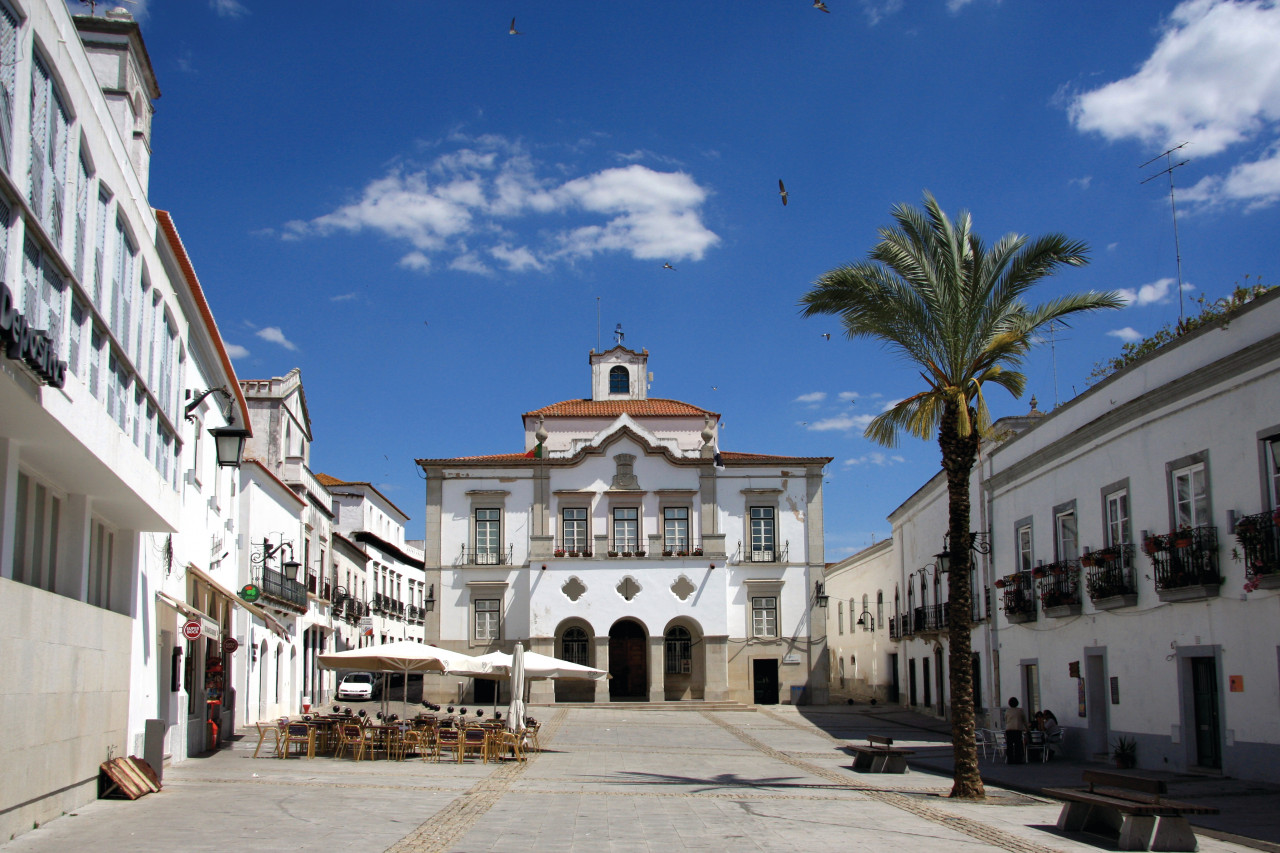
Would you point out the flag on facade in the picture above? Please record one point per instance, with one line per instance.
(536, 453)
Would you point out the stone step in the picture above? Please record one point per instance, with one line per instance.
(686, 705)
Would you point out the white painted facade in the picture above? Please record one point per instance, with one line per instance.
(624, 526)
(864, 657)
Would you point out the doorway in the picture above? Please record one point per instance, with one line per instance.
(764, 675)
(911, 681)
(895, 680)
(938, 674)
(1096, 706)
(485, 690)
(928, 682)
(628, 662)
(1204, 697)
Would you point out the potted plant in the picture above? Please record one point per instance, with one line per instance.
(613, 553)
(586, 553)
(573, 553)
(1001, 583)
(1038, 572)
(1152, 544)
(1124, 750)
(682, 553)
(1087, 559)
(697, 552)
(1183, 538)
(640, 553)
(559, 552)
(666, 552)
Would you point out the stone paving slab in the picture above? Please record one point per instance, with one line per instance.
(608, 781)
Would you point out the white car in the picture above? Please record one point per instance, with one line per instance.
(356, 685)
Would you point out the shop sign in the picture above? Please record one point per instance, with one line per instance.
(31, 346)
(230, 644)
(250, 593)
(191, 629)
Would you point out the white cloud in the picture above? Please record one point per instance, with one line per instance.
(881, 460)
(275, 336)
(1128, 334)
(878, 10)
(465, 204)
(1147, 294)
(841, 422)
(1212, 79)
(228, 8)
(342, 297)
(235, 351)
(848, 396)
(889, 404)
(814, 397)
(954, 6)
(1082, 183)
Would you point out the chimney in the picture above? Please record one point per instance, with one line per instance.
(120, 62)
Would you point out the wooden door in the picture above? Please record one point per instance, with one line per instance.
(628, 662)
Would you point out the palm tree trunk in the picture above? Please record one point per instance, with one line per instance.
(958, 456)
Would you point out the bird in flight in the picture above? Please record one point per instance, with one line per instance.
(513, 31)
(826, 336)
(782, 191)
(667, 266)
(818, 4)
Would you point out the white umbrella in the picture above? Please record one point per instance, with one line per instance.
(404, 656)
(515, 711)
(540, 666)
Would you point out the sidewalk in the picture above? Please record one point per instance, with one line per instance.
(1247, 810)
(777, 780)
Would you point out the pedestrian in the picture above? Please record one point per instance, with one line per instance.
(1015, 732)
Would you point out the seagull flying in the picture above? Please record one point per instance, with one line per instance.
(826, 336)
(667, 266)
(782, 191)
(818, 4)
(513, 31)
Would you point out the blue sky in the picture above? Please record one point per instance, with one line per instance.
(421, 210)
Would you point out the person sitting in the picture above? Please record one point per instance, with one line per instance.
(1052, 731)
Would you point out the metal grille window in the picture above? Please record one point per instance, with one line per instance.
(679, 648)
(764, 616)
(1118, 518)
(762, 534)
(1273, 470)
(488, 619)
(1190, 496)
(488, 531)
(619, 381)
(573, 528)
(573, 647)
(675, 524)
(626, 528)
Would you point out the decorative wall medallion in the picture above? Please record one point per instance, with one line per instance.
(573, 588)
(629, 588)
(683, 588)
(626, 476)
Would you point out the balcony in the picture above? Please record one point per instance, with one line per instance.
(767, 555)
(931, 619)
(1019, 597)
(281, 590)
(899, 626)
(1109, 581)
(1259, 539)
(682, 549)
(1186, 563)
(485, 556)
(1059, 588)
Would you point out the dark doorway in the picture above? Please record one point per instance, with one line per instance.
(928, 682)
(486, 691)
(977, 681)
(939, 674)
(764, 674)
(911, 681)
(628, 662)
(895, 680)
(1204, 691)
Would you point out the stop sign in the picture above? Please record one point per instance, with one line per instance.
(191, 629)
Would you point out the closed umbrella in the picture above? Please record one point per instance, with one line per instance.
(515, 711)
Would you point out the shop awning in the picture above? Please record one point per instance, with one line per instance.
(208, 625)
(267, 619)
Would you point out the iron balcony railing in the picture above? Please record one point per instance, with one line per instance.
(931, 618)
(1019, 596)
(1186, 557)
(899, 627)
(486, 556)
(284, 590)
(627, 547)
(682, 548)
(1110, 572)
(573, 548)
(1259, 539)
(1059, 583)
(767, 555)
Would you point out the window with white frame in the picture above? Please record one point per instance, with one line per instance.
(97, 353)
(764, 616)
(1066, 532)
(38, 512)
(50, 150)
(1190, 496)
(101, 563)
(81, 237)
(8, 80)
(76, 336)
(762, 534)
(573, 529)
(102, 298)
(5, 213)
(1117, 504)
(675, 528)
(488, 536)
(123, 287)
(488, 618)
(866, 611)
(1025, 554)
(840, 615)
(626, 528)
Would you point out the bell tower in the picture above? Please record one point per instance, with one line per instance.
(620, 374)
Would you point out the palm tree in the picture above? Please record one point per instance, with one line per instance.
(933, 292)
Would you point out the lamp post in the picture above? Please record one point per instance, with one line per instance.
(228, 441)
(865, 618)
(820, 597)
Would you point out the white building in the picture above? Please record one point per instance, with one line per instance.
(1175, 642)
(620, 539)
(865, 657)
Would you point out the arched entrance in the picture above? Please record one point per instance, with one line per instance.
(628, 662)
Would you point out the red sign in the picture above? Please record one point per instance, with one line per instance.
(191, 629)
(230, 644)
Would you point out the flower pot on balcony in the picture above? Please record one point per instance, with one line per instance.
(1087, 560)
(697, 552)
(666, 552)
(573, 553)
(1037, 573)
(613, 553)
(1151, 545)
(1000, 583)
(1183, 542)
(639, 553)
(559, 553)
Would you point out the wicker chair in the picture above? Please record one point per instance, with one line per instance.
(300, 735)
(351, 737)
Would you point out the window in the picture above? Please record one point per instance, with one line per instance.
(574, 648)
(50, 150)
(1024, 548)
(679, 645)
(1065, 529)
(75, 340)
(81, 237)
(675, 528)
(1117, 504)
(626, 528)
(619, 381)
(573, 529)
(762, 534)
(488, 533)
(97, 349)
(8, 66)
(879, 607)
(1190, 496)
(35, 539)
(840, 615)
(488, 621)
(122, 287)
(866, 611)
(764, 616)
(1273, 471)
(100, 297)
(101, 556)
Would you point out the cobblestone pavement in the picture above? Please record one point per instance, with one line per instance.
(607, 780)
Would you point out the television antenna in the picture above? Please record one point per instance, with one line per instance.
(1177, 247)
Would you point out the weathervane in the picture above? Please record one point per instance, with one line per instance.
(618, 335)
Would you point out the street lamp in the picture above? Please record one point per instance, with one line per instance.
(429, 603)
(865, 618)
(288, 568)
(820, 596)
(228, 441)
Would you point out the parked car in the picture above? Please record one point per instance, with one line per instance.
(356, 685)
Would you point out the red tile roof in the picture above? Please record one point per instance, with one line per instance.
(613, 408)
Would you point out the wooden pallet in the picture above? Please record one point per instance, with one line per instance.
(128, 778)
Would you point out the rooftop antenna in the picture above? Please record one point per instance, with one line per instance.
(598, 346)
(1053, 354)
(1177, 247)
